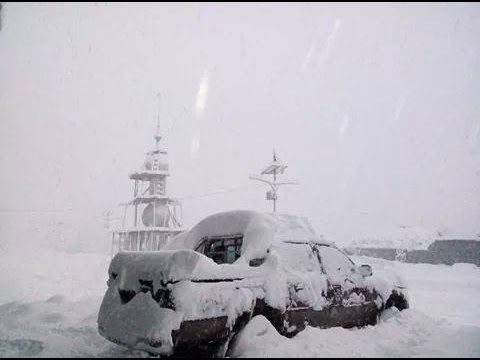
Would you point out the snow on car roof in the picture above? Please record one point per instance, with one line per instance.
(259, 230)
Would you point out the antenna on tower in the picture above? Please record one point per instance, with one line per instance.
(157, 135)
(275, 168)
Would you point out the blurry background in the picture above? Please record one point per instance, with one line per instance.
(374, 107)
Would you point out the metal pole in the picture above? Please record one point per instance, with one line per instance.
(136, 204)
(113, 244)
(274, 191)
(124, 216)
(154, 212)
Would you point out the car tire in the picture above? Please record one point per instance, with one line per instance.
(224, 349)
(397, 300)
(240, 324)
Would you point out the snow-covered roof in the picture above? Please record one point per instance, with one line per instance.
(259, 230)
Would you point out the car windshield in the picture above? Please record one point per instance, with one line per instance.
(334, 262)
(298, 257)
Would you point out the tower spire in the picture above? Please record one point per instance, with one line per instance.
(157, 134)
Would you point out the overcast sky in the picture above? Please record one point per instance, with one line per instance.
(374, 107)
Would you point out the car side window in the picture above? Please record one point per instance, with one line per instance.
(334, 262)
(221, 249)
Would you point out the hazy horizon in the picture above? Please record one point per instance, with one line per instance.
(375, 109)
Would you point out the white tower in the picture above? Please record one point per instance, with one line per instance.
(156, 217)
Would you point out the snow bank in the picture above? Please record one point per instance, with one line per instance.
(36, 273)
(445, 292)
(53, 308)
(404, 334)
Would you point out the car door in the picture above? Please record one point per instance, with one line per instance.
(308, 302)
(353, 304)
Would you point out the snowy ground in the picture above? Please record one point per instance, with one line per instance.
(49, 302)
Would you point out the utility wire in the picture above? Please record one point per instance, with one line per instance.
(188, 197)
(237, 188)
(35, 210)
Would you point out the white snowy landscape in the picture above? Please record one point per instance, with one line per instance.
(194, 140)
(50, 308)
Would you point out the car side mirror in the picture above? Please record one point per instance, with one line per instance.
(256, 262)
(365, 270)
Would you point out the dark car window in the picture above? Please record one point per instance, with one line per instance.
(221, 249)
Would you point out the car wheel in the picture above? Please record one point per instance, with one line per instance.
(397, 300)
(224, 349)
(240, 324)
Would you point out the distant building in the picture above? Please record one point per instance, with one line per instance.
(448, 251)
(154, 216)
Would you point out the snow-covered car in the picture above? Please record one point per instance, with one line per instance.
(196, 295)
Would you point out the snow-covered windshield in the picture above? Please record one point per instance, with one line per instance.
(298, 257)
(303, 257)
(333, 261)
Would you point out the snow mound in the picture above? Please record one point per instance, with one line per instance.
(257, 338)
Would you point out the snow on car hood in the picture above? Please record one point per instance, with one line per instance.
(167, 266)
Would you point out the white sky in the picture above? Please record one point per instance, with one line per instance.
(374, 107)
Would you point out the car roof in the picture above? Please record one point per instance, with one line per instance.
(259, 230)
